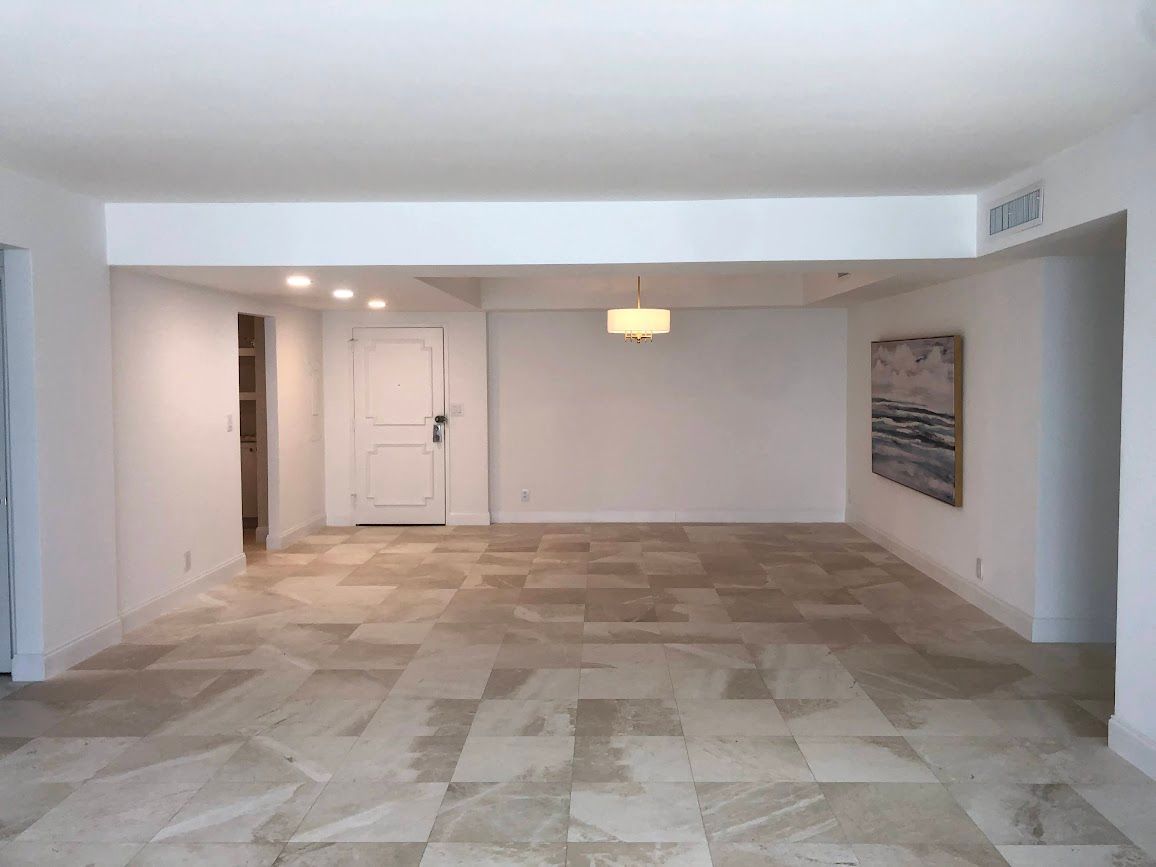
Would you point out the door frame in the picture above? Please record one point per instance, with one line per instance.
(351, 341)
(8, 562)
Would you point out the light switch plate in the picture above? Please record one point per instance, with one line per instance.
(456, 409)
(229, 423)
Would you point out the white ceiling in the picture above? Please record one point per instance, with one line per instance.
(266, 100)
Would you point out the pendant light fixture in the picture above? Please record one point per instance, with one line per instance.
(638, 324)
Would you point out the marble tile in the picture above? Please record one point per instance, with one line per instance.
(538, 655)
(731, 718)
(494, 855)
(1087, 761)
(228, 812)
(703, 684)
(700, 633)
(747, 759)
(348, 683)
(631, 759)
(816, 717)
(115, 718)
(638, 855)
(627, 716)
(538, 718)
(1030, 813)
(622, 655)
(982, 759)
(503, 813)
(928, 855)
(222, 854)
(515, 759)
(437, 682)
(234, 704)
(165, 759)
(635, 813)
(785, 655)
(110, 812)
(709, 656)
(61, 760)
(901, 814)
(532, 683)
(1129, 807)
(434, 717)
(1075, 856)
(345, 854)
(31, 719)
(767, 813)
(69, 854)
(639, 681)
(11, 745)
(126, 656)
(318, 717)
(23, 804)
(749, 854)
(938, 716)
(372, 813)
(371, 664)
(269, 759)
(864, 760)
(827, 681)
(1043, 718)
(401, 760)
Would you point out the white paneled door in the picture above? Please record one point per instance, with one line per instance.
(399, 426)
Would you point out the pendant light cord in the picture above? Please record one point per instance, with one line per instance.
(639, 303)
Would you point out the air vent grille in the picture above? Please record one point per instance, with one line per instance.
(1024, 209)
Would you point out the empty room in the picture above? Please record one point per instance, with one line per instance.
(578, 434)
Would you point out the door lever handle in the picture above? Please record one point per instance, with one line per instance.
(439, 428)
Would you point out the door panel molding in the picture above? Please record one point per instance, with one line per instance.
(399, 388)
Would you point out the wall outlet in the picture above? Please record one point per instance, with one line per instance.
(229, 423)
(979, 568)
(525, 495)
(188, 560)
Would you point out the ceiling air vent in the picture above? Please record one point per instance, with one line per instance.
(1021, 211)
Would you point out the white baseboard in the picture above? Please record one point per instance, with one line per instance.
(139, 615)
(1039, 630)
(688, 516)
(27, 667)
(1073, 630)
(1006, 613)
(292, 534)
(468, 519)
(39, 666)
(1135, 746)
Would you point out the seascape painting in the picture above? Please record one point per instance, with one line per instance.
(916, 408)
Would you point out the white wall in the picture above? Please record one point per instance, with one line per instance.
(60, 375)
(1041, 374)
(467, 443)
(542, 233)
(1107, 174)
(177, 464)
(734, 415)
(1079, 456)
(999, 315)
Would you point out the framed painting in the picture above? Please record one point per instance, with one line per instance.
(917, 414)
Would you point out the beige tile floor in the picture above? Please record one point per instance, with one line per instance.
(574, 694)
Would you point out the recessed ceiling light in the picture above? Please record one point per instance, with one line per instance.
(343, 294)
(298, 281)
(376, 304)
